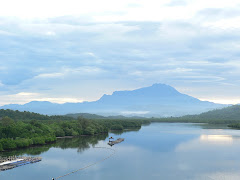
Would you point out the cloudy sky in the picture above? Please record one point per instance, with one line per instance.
(78, 50)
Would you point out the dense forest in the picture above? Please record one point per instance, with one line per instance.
(38, 129)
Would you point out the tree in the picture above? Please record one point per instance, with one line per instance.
(84, 122)
(8, 144)
(59, 132)
(117, 127)
(7, 121)
(89, 131)
(1, 148)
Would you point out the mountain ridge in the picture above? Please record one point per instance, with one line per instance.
(158, 100)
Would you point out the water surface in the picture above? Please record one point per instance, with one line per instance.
(167, 151)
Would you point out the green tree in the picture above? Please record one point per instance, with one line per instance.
(117, 127)
(1, 148)
(6, 121)
(59, 132)
(84, 122)
(89, 131)
(8, 144)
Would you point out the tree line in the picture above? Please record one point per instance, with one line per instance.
(16, 133)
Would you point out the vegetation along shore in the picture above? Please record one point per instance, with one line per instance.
(23, 129)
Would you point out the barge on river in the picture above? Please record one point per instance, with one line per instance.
(11, 162)
(119, 140)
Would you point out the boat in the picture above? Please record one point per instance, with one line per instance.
(119, 140)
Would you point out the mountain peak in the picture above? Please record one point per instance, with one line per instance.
(159, 89)
(160, 85)
(146, 95)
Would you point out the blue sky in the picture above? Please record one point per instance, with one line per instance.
(73, 50)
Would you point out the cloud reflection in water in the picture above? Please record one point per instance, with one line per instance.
(217, 138)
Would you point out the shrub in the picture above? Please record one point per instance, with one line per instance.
(38, 140)
(59, 133)
(1, 148)
(8, 144)
(89, 131)
(22, 142)
(117, 127)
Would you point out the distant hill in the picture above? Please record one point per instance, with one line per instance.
(17, 115)
(158, 100)
(85, 115)
(95, 116)
(228, 113)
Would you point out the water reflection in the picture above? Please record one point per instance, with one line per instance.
(159, 151)
(217, 138)
(81, 143)
(120, 132)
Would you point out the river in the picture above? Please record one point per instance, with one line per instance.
(168, 151)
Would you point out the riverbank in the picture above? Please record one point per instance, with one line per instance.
(21, 134)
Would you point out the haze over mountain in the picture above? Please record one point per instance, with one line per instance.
(157, 100)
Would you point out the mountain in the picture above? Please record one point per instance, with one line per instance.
(158, 100)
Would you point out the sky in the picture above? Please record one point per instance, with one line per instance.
(76, 50)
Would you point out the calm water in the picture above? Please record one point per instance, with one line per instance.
(158, 151)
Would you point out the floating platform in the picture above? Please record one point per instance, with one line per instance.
(119, 140)
(13, 162)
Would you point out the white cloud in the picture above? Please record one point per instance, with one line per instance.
(25, 97)
(223, 100)
(230, 23)
(108, 10)
(70, 71)
(50, 75)
(50, 33)
(44, 28)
